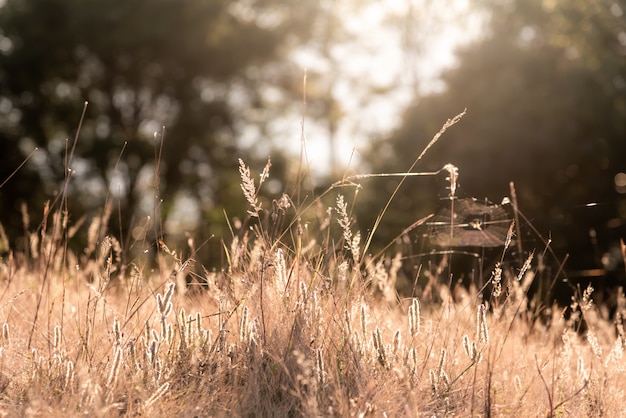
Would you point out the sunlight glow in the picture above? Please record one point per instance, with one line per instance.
(388, 54)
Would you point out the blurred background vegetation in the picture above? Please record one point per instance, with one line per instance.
(543, 81)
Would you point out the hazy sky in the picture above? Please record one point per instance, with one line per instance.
(374, 53)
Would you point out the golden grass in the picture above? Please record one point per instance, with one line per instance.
(284, 332)
(301, 322)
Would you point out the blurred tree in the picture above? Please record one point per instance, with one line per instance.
(365, 60)
(141, 65)
(545, 96)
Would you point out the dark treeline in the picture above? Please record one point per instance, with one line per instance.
(544, 88)
(141, 65)
(545, 92)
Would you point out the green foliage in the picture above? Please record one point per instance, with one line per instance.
(141, 65)
(538, 115)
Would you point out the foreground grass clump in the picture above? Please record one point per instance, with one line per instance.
(301, 321)
(284, 330)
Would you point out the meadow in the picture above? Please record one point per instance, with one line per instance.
(300, 321)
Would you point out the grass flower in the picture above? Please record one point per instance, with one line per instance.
(291, 325)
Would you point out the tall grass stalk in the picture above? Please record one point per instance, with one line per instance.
(301, 321)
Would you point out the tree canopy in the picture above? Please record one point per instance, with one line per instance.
(544, 90)
(141, 65)
(545, 99)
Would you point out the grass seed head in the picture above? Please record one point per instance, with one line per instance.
(482, 331)
(363, 318)
(434, 381)
(321, 372)
(496, 280)
(525, 266)
(442, 361)
(397, 339)
(57, 338)
(117, 333)
(249, 189)
(380, 347)
(115, 368)
(414, 317)
(69, 374)
(467, 347)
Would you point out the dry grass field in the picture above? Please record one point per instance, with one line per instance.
(299, 322)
